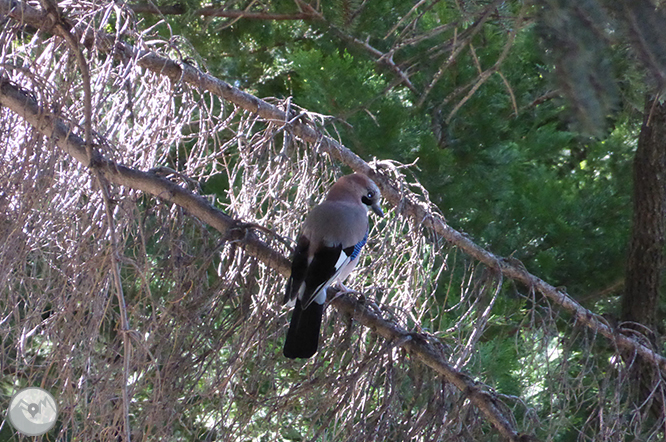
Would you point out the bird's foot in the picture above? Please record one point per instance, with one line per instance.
(342, 289)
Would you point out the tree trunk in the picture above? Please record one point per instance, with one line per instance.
(646, 249)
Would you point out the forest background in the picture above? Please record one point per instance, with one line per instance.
(158, 159)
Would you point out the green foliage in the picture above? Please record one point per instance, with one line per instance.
(514, 166)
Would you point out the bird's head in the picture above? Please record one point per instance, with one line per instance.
(357, 186)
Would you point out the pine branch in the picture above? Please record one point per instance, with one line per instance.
(210, 11)
(408, 204)
(38, 116)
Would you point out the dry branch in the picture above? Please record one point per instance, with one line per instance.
(417, 345)
(459, 43)
(22, 104)
(309, 14)
(485, 75)
(380, 57)
(63, 32)
(406, 202)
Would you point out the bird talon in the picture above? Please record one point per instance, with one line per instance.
(343, 291)
(343, 288)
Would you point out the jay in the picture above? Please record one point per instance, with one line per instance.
(327, 250)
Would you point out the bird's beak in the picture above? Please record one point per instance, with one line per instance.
(378, 210)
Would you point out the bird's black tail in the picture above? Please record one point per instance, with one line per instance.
(303, 335)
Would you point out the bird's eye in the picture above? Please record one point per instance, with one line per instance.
(370, 195)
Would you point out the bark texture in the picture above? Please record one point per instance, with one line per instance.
(646, 249)
(640, 302)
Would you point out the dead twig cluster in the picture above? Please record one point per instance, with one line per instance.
(205, 185)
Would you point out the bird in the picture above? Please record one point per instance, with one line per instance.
(327, 250)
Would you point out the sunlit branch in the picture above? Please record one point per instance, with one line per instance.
(149, 182)
(61, 29)
(22, 104)
(407, 203)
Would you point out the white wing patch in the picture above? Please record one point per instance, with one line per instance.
(319, 294)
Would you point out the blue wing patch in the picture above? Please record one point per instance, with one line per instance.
(359, 245)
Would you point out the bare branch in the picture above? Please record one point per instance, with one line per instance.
(430, 34)
(514, 103)
(383, 58)
(432, 356)
(27, 108)
(459, 43)
(543, 98)
(402, 20)
(21, 103)
(407, 203)
(486, 74)
(62, 31)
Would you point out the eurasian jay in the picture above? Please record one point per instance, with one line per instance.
(326, 252)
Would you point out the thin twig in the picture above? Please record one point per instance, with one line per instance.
(51, 8)
(408, 205)
(380, 57)
(484, 76)
(459, 43)
(397, 25)
(22, 104)
(511, 94)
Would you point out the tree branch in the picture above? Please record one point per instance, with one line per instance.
(25, 106)
(485, 75)
(210, 11)
(380, 57)
(22, 104)
(61, 29)
(456, 47)
(407, 203)
(431, 355)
